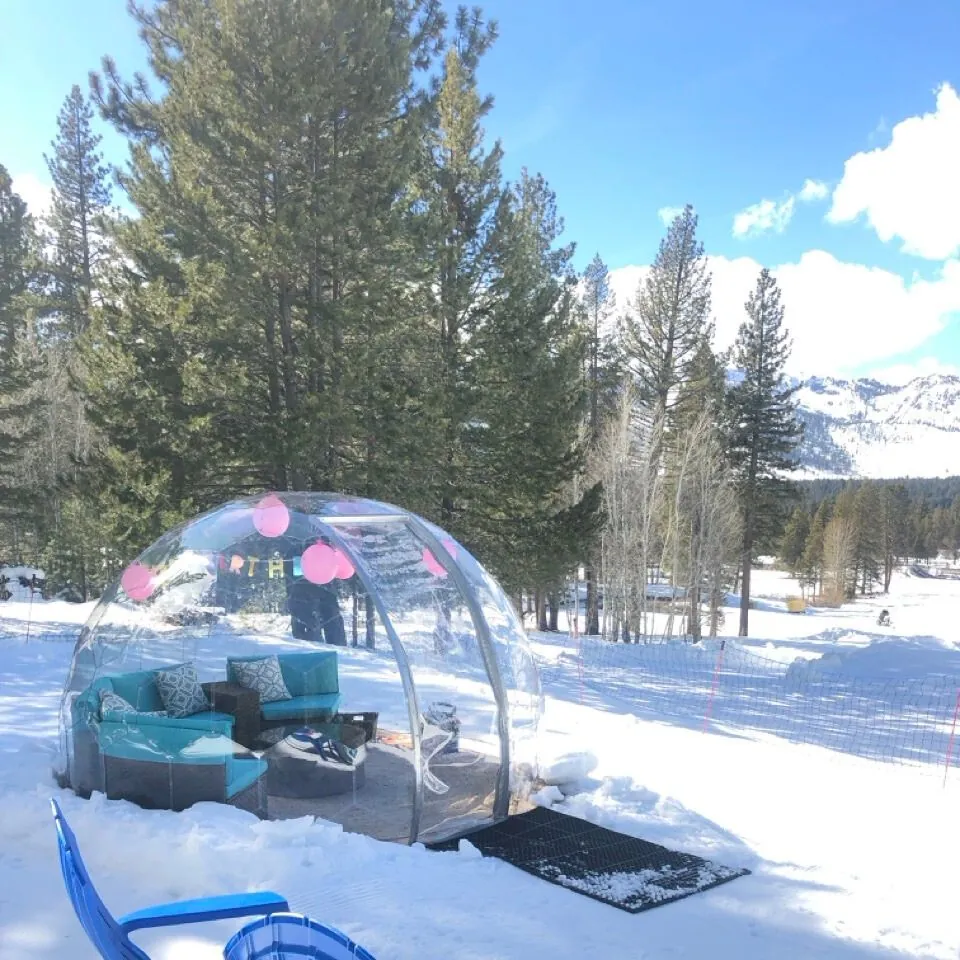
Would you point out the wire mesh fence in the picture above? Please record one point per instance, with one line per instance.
(719, 684)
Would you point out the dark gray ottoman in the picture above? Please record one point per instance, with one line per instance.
(297, 771)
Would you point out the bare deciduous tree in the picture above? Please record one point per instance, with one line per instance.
(839, 554)
(684, 522)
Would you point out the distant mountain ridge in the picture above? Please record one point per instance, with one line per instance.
(864, 428)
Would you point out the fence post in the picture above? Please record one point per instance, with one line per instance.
(953, 733)
(580, 665)
(714, 685)
(33, 583)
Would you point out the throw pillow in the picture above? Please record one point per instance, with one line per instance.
(111, 702)
(264, 676)
(180, 690)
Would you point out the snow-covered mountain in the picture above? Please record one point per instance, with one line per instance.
(863, 428)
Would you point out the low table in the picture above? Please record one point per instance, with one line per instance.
(297, 771)
(241, 703)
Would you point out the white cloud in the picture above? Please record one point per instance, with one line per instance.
(813, 190)
(764, 217)
(34, 192)
(843, 317)
(774, 215)
(908, 189)
(668, 214)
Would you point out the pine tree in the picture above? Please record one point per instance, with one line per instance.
(603, 376)
(529, 400)
(764, 430)
(893, 512)
(81, 199)
(599, 302)
(463, 193)
(664, 334)
(18, 366)
(264, 326)
(811, 562)
(794, 539)
(869, 549)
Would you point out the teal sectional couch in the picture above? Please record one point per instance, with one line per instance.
(313, 681)
(158, 760)
(155, 760)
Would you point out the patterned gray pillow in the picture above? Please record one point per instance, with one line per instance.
(180, 690)
(111, 702)
(264, 676)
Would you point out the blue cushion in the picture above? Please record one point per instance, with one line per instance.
(306, 674)
(303, 673)
(139, 689)
(165, 736)
(118, 740)
(205, 720)
(319, 705)
(242, 773)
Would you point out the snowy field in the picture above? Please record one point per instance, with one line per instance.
(851, 857)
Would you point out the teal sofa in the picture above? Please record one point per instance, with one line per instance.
(314, 684)
(158, 760)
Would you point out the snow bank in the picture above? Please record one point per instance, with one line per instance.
(867, 656)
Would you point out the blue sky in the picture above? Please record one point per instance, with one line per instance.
(631, 107)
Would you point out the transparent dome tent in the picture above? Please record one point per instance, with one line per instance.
(302, 654)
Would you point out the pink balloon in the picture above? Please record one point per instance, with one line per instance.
(432, 564)
(271, 517)
(319, 563)
(137, 581)
(344, 567)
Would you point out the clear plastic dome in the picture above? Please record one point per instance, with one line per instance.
(306, 654)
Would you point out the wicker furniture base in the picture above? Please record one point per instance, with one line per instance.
(176, 786)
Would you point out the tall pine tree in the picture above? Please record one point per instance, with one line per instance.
(670, 323)
(81, 200)
(529, 400)
(463, 194)
(764, 430)
(18, 368)
(603, 377)
(262, 329)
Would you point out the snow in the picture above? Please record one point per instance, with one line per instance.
(888, 431)
(850, 857)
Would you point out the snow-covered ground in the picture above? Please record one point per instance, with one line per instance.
(850, 857)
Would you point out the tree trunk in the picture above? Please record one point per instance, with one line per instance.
(371, 622)
(593, 605)
(694, 613)
(553, 606)
(541, 609)
(745, 562)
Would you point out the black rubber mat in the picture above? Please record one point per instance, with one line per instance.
(625, 872)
